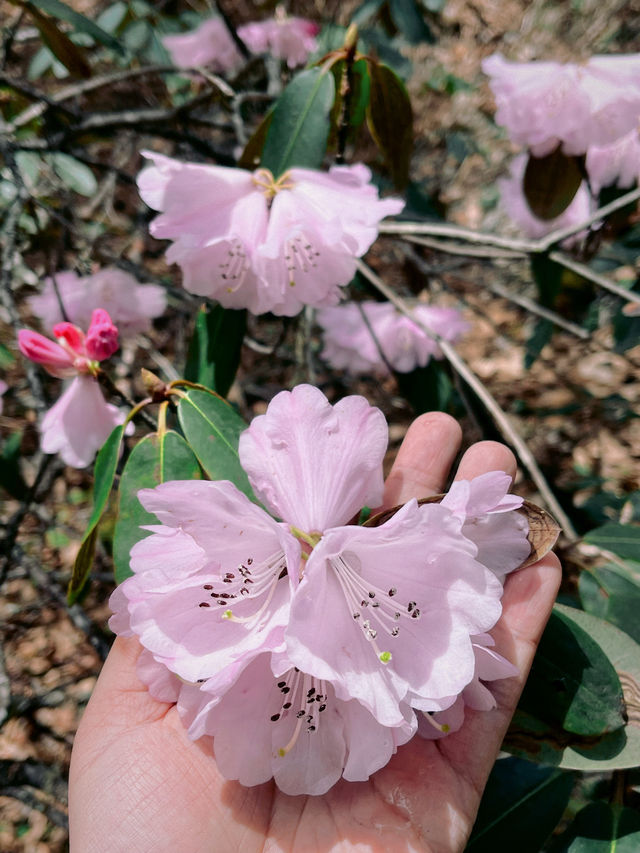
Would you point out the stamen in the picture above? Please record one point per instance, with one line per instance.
(441, 727)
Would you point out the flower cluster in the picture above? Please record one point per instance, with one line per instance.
(287, 38)
(252, 241)
(372, 336)
(592, 109)
(80, 422)
(311, 648)
(131, 306)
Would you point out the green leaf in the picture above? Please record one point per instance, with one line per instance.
(602, 828)
(612, 596)
(390, 120)
(551, 182)
(155, 459)
(214, 349)
(75, 174)
(572, 682)
(79, 22)
(537, 341)
(359, 98)
(299, 128)
(408, 18)
(213, 428)
(427, 389)
(104, 473)
(531, 737)
(548, 276)
(520, 807)
(250, 157)
(621, 539)
(59, 43)
(10, 476)
(7, 358)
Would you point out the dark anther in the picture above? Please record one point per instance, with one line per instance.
(415, 614)
(282, 684)
(249, 561)
(392, 591)
(300, 714)
(275, 718)
(204, 604)
(311, 691)
(372, 595)
(286, 706)
(311, 729)
(321, 708)
(207, 586)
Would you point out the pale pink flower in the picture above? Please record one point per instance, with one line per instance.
(79, 423)
(617, 164)
(515, 205)
(131, 305)
(544, 104)
(489, 666)
(350, 344)
(210, 44)
(288, 38)
(254, 242)
(323, 652)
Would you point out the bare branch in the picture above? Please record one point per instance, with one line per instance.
(596, 278)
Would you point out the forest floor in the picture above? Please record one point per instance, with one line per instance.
(577, 406)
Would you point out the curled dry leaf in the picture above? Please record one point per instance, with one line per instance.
(543, 528)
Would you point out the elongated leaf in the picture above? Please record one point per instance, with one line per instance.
(531, 737)
(79, 22)
(297, 135)
(214, 350)
(155, 459)
(104, 473)
(390, 120)
(572, 682)
(612, 596)
(252, 154)
(75, 174)
(602, 828)
(520, 807)
(620, 539)
(551, 182)
(213, 429)
(69, 54)
(408, 18)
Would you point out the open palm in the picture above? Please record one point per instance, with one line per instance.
(139, 785)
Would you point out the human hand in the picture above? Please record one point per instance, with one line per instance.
(139, 785)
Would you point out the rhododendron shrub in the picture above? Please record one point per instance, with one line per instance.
(78, 424)
(383, 337)
(252, 241)
(131, 305)
(332, 642)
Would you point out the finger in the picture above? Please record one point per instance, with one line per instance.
(486, 456)
(422, 465)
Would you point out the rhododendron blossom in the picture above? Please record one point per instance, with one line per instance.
(514, 203)
(79, 423)
(252, 241)
(384, 337)
(287, 38)
(131, 305)
(210, 44)
(544, 104)
(616, 164)
(327, 641)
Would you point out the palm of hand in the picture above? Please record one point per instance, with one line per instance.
(138, 784)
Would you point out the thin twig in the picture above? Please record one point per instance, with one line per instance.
(500, 417)
(466, 251)
(596, 278)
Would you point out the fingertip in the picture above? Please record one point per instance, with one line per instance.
(485, 456)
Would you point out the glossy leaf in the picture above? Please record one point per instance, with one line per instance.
(252, 154)
(520, 807)
(214, 349)
(621, 539)
(533, 738)
(212, 428)
(390, 120)
(75, 175)
(104, 473)
(612, 596)
(551, 182)
(80, 23)
(297, 135)
(572, 683)
(408, 18)
(602, 828)
(155, 459)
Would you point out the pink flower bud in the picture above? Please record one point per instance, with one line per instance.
(71, 335)
(102, 337)
(50, 355)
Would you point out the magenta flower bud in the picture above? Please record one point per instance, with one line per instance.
(50, 355)
(71, 335)
(102, 337)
